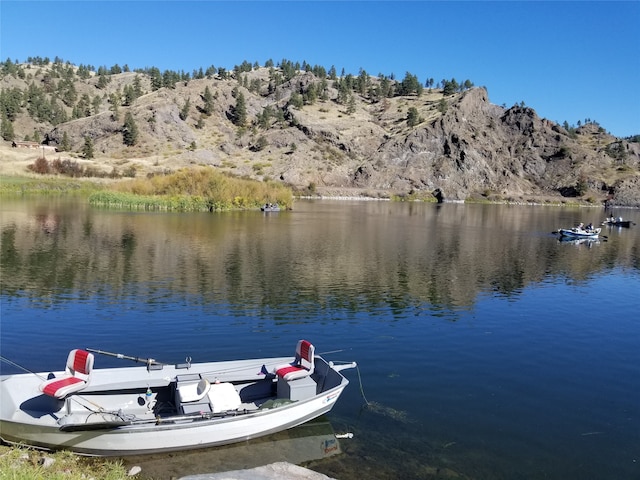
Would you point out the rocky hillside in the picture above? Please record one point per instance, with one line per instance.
(307, 132)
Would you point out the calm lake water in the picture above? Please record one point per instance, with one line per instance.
(487, 349)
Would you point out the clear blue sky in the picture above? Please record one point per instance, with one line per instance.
(568, 60)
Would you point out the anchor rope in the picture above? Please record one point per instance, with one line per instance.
(361, 388)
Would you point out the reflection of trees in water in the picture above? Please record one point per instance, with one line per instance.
(383, 255)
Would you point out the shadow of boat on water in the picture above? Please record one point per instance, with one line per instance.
(313, 440)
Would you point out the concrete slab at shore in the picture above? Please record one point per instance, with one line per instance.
(273, 471)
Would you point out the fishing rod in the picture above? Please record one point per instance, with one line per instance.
(148, 361)
(333, 351)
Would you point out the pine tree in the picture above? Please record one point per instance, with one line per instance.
(184, 111)
(65, 146)
(11, 102)
(103, 81)
(207, 109)
(129, 130)
(114, 100)
(240, 111)
(311, 94)
(296, 100)
(412, 117)
(96, 102)
(156, 78)
(87, 149)
(449, 87)
(351, 104)
(137, 87)
(129, 95)
(6, 129)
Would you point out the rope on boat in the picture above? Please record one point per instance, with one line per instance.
(76, 399)
(357, 367)
(361, 388)
(14, 364)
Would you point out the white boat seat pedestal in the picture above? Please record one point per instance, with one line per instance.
(295, 390)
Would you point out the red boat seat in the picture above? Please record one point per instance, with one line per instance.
(302, 366)
(75, 378)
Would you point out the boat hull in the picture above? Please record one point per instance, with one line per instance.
(579, 233)
(138, 440)
(29, 417)
(622, 223)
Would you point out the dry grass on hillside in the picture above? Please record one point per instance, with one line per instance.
(14, 161)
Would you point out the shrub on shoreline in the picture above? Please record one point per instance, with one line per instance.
(192, 190)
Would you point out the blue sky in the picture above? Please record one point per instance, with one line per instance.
(568, 60)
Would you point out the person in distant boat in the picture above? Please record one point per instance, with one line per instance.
(590, 226)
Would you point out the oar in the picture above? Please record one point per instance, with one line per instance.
(148, 361)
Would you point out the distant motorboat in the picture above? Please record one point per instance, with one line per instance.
(270, 207)
(617, 222)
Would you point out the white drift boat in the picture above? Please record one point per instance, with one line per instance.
(580, 232)
(161, 408)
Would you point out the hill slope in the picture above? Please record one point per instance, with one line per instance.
(459, 146)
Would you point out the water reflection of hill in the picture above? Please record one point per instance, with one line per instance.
(359, 255)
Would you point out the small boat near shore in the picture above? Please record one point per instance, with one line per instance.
(161, 408)
(270, 207)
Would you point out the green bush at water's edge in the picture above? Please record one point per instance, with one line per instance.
(187, 190)
(192, 190)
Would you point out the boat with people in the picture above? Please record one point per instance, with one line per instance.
(580, 231)
(270, 207)
(617, 222)
(165, 407)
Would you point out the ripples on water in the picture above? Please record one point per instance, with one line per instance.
(487, 349)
